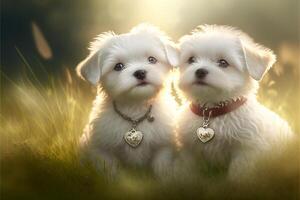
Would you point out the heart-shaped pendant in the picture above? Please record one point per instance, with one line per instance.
(205, 134)
(133, 137)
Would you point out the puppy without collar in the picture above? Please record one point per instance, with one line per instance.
(130, 123)
(219, 72)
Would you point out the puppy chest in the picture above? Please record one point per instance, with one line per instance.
(122, 135)
(216, 148)
(142, 153)
(138, 156)
(217, 152)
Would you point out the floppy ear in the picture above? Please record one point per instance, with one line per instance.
(258, 60)
(90, 68)
(172, 54)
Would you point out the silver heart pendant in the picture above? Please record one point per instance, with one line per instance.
(133, 137)
(205, 134)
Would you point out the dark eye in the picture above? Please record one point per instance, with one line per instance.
(152, 60)
(119, 67)
(223, 63)
(191, 60)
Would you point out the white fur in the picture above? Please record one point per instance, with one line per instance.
(243, 134)
(103, 137)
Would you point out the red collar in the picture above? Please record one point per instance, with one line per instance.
(221, 109)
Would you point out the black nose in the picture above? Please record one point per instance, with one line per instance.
(140, 74)
(201, 73)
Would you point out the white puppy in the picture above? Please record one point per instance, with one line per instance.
(225, 125)
(130, 123)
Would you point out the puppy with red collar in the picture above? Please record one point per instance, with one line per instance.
(225, 125)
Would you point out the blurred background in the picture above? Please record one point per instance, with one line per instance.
(44, 105)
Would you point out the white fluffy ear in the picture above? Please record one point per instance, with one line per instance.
(172, 54)
(258, 60)
(89, 68)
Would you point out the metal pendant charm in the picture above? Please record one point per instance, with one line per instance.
(205, 134)
(133, 137)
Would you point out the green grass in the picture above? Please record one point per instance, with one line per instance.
(42, 122)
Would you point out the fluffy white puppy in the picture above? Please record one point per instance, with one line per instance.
(129, 70)
(225, 125)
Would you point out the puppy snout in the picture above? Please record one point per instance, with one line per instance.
(201, 73)
(140, 74)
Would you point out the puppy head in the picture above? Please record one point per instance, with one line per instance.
(219, 63)
(130, 66)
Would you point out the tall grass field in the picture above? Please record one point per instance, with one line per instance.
(42, 120)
